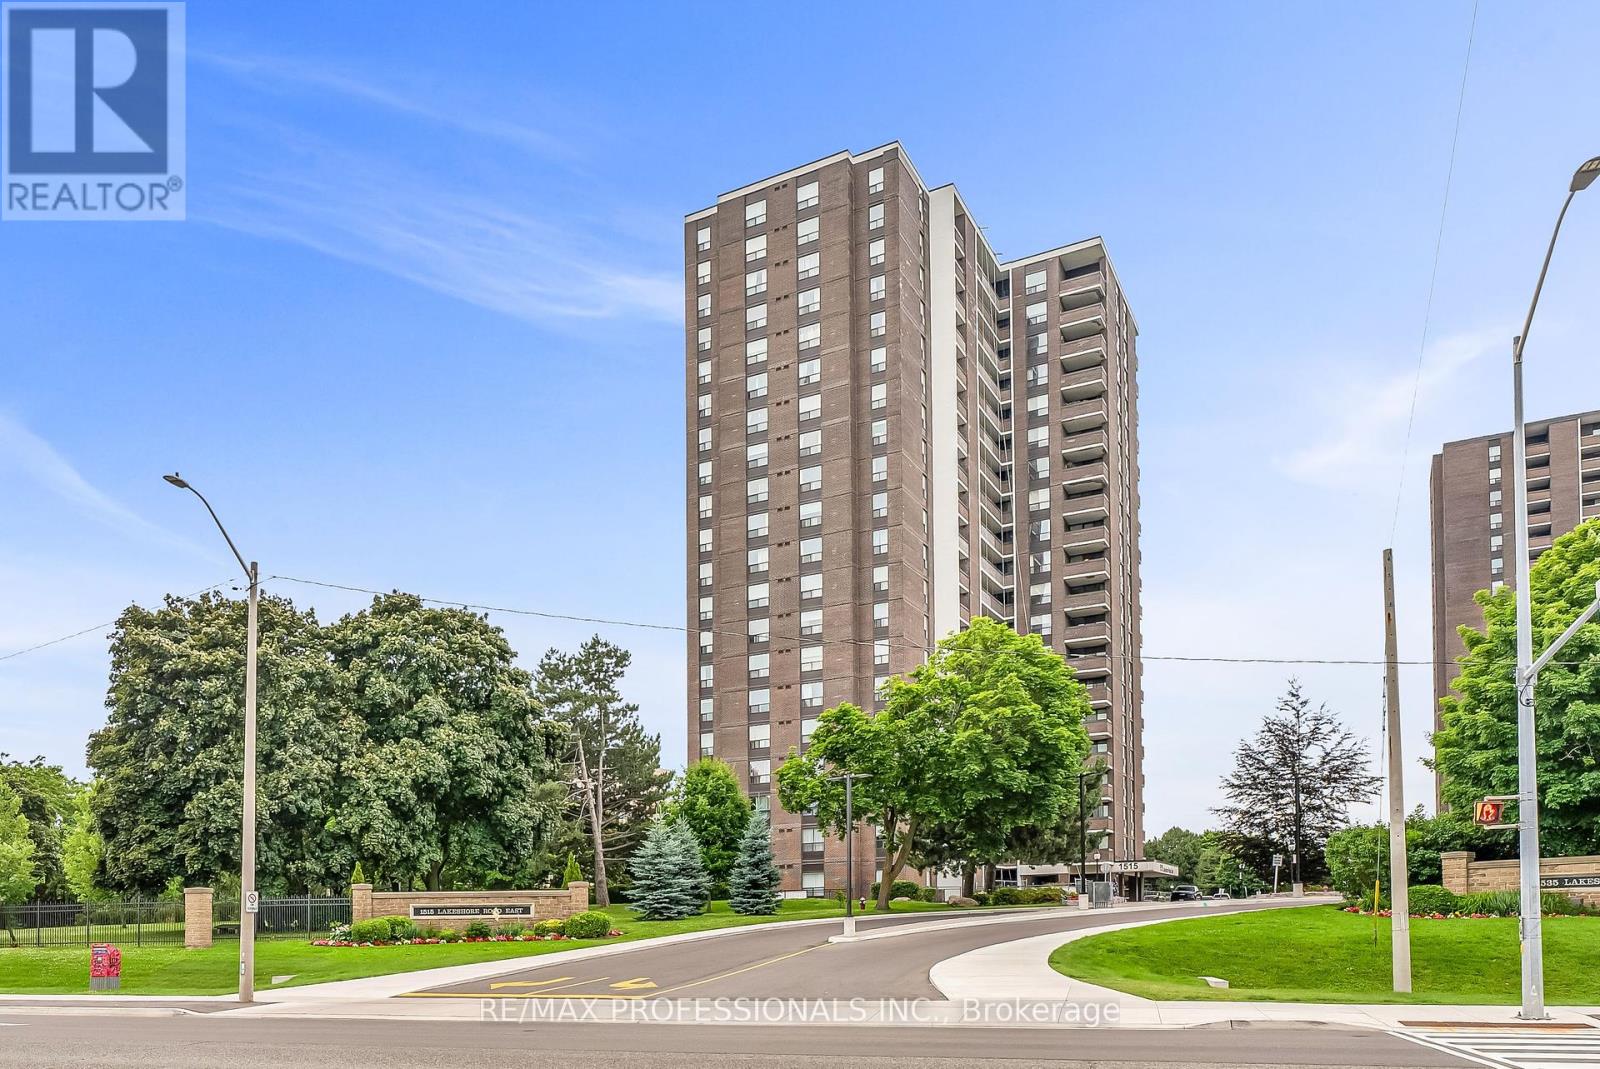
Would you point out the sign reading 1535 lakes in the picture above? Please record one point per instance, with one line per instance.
(93, 122)
(1572, 882)
(471, 909)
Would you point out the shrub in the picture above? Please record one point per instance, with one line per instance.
(449, 935)
(509, 929)
(899, 889)
(981, 897)
(1043, 895)
(375, 930)
(551, 926)
(1431, 898)
(401, 927)
(479, 930)
(590, 924)
(928, 894)
(1005, 896)
(572, 874)
(1492, 903)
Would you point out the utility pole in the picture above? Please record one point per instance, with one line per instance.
(1400, 913)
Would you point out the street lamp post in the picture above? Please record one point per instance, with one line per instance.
(1527, 755)
(849, 780)
(247, 852)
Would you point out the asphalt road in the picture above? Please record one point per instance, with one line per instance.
(227, 1041)
(788, 962)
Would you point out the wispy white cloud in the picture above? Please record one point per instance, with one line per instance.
(25, 453)
(281, 74)
(1367, 416)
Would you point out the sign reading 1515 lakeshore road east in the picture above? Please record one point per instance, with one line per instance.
(471, 909)
(93, 123)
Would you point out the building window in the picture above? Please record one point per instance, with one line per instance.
(755, 491)
(880, 615)
(1039, 406)
(705, 676)
(811, 479)
(1038, 436)
(755, 560)
(703, 305)
(879, 360)
(810, 514)
(810, 407)
(703, 438)
(756, 596)
(706, 709)
(702, 340)
(808, 724)
(755, 525)
(811, 623)
(755, 385)
(805, 196)
(702, 239)
(880, 469)
(757, 665)
(705, 743)
(880, 505)
(705, 610)
(879, 395)
(875, 217)
(755, 317)
(875, 180)
(809, 337)
(880, 579)
(1494, 476)
(880, 432)
(705, 573)
(810, 587)
(1033, 282)
(755, 282)
(879, 324)
(1039, 500)
(875, 255)
(880, 542)
(808, 301)
(705, 473)
(876, 287)
(810, 550)
(755, 421)
(808, 266)
(761, 773)
(811, 696)
(760, 700)
(705, 506)
(880, 653)
(811, 658)
(806, 230)
(810, 444)
(705, 540)
(755, 456)
(1037, 314)
(755, 213)
(705, 643)
(702, 272)
(760, 736)
(755, 248)
(810, 371)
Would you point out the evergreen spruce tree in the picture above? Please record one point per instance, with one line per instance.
(573, 873)
(753, 880)
(669, 879)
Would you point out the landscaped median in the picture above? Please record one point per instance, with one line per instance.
(214, 970)
(1324, 954)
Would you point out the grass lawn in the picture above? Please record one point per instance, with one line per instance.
(1321, 954)
(170, 970)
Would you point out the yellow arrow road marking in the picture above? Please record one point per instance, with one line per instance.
(529, 983)
(638, 983)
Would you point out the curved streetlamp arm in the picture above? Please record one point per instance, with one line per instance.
(236, 554)
(1527, 324)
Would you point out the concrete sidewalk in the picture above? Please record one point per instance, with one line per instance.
(1019, 971)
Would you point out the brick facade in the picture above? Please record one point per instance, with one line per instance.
(1464, 875)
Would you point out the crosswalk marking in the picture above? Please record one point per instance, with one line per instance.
(1512, 1048)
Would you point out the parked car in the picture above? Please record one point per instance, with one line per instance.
(1186, 892)
(1221, 893)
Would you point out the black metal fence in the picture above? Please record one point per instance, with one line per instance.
(296, 916)
(133, 922)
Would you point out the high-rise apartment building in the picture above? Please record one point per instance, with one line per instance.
(891, 431)
(1473, 545)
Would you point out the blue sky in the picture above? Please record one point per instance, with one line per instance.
(422, 328)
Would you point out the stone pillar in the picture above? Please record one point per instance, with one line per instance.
(197, 917)
(360, 902)
(1453, 869)
(579, 889)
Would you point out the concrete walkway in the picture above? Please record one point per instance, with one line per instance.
(1019, 971)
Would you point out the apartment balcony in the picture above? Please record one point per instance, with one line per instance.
(991, 579)
(1099, 697)
(1083, 509)
(1086, 322)
(1086, 572)
(1084, 384)
(1094, 539)
(1098, 728)
(1088, 445)
(1092, 603)
(1086, 634)
(1087, 476)
(1095, 667)
(1081, 292)
(1084, 415)
(1087, 353)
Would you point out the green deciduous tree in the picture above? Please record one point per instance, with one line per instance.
(669, 878)
(1292, 785)
(1178, 847)
(18, 875)
(83, 851)
(1359, 854)
(754, 879)
(48, 800)
(986, 736)
(613, 764)
(450, 752)
(710, 801)
(1475, 749)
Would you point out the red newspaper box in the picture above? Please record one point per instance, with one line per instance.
(105, 968)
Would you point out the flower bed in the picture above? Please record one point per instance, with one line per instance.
(432, 940)
(1451, 916)
(402, 931)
